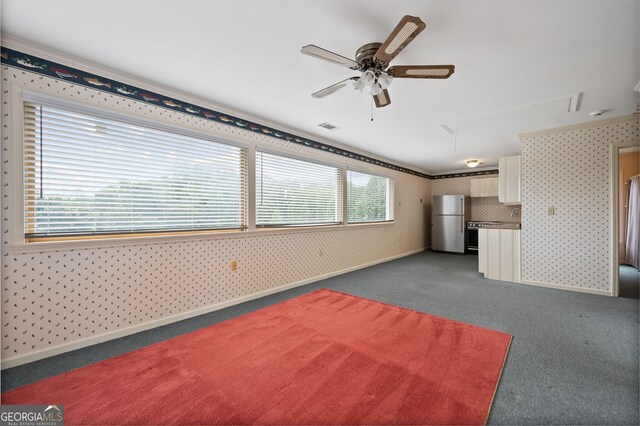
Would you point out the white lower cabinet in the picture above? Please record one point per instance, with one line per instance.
(499, 254)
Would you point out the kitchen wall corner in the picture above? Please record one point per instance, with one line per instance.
(482, 208)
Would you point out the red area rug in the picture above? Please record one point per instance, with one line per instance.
(322, 358)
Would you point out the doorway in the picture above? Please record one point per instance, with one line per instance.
(626, 279)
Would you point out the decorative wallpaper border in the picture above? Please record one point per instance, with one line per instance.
(463, 174)
(42, 66)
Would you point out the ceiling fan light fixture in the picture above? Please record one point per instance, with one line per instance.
(375, 90)
(358, 84)
(376, 83)
(473, 163)
(368, 78)
(385, 80)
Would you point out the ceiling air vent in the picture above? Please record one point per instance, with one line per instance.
(328, 126)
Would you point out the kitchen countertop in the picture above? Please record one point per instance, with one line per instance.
(504, 225)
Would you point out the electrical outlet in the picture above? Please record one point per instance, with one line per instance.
(234, 265)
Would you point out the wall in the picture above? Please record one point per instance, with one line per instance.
(570, 169)
(482, 208)
(628, 165)
(58, 300)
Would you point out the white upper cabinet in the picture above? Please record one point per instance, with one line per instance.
(509, 187)
(487, 187)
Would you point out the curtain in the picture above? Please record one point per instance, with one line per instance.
(633, 223)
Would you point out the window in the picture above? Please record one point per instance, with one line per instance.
(368, 198)
(295, 192)
(92, 175)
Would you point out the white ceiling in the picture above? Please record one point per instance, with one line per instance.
(517, 64)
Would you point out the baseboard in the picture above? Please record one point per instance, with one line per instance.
(93, 340)
(567, 287)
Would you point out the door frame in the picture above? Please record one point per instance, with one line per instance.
(613, 185)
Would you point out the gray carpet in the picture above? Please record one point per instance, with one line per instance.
(573, 358)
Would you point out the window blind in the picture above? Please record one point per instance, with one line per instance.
(292, 192)
(367, 198)
(90, 175)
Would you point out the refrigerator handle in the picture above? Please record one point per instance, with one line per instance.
(461, 224)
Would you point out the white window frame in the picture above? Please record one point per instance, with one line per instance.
(342, 176)
(390, 198)
(15, 213)
(101, 114)
(17, 235)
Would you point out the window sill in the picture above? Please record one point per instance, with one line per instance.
(42, 247)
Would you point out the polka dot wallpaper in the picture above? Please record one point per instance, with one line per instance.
(569, 171)
(58, 297)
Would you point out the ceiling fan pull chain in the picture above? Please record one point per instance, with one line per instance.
(372, 108)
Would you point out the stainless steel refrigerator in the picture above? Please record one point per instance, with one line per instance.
(449, 215)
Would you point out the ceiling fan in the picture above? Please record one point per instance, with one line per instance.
(373, 59)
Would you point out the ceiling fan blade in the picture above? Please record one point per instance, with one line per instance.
(382, 99)
(421, 71)
(320, 53)
(405, 31)
(333, 88)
